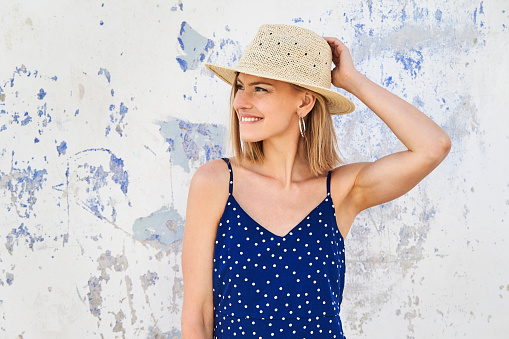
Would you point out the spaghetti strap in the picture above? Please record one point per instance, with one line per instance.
(328, 182)
(231, 174)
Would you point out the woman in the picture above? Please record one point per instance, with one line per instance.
(263, 252)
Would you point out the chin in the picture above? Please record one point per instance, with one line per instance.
(250, 138)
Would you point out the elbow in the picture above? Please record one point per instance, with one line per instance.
(185, 326)
(444, 145)
(185, 329)
(190, 329)
(439, 149)
(194, 325)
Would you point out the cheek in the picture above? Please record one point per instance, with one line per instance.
(278, 123)
(282, 114)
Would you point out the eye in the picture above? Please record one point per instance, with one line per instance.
(260, 89)
(238, 86)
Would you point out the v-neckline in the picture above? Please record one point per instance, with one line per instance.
(269, 231)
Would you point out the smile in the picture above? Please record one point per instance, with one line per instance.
(249, 119)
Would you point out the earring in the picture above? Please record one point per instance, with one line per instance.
(302, 127)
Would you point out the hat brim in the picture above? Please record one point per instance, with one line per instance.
(337, 102)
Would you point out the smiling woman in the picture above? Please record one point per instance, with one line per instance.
(271, 103)
(263, 253)
(316, 127)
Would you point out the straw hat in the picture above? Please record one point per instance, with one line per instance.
(291, 54)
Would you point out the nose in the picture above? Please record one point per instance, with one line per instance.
(241, 100)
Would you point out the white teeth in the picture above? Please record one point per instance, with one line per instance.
(246, 119)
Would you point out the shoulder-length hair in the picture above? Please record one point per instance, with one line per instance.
(319, 142)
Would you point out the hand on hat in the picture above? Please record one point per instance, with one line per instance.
(344, 68)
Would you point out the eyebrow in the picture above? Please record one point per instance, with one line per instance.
(257, 83)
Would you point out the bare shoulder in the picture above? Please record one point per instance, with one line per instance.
(212, 176)
(208, 194)
(208, 191)
(343, 177)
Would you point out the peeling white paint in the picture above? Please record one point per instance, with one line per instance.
(106, 111)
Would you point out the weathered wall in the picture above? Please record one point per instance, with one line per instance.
(106, 111)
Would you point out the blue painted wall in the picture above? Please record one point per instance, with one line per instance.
(106, 111)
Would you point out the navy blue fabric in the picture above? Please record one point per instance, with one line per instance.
(268, 286)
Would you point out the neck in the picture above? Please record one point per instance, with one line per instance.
(285, 159)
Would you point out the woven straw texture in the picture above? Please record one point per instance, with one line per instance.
(291, 54)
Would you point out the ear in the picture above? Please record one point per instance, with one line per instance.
(307, 103)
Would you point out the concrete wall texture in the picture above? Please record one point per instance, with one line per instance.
(106, 111)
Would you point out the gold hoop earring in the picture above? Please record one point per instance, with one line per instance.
(302, 127)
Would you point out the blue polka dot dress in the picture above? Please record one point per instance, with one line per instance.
(268, 286)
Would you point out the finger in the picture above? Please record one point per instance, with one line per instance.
(337, 46)
(333, 44)
(336, 51)
(331, 39)
(334, 41)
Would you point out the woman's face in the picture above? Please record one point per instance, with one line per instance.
(266, 108)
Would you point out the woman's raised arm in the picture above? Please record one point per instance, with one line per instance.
(208, 194)
(395, 174)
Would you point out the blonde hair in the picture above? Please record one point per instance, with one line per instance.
(319, 142)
